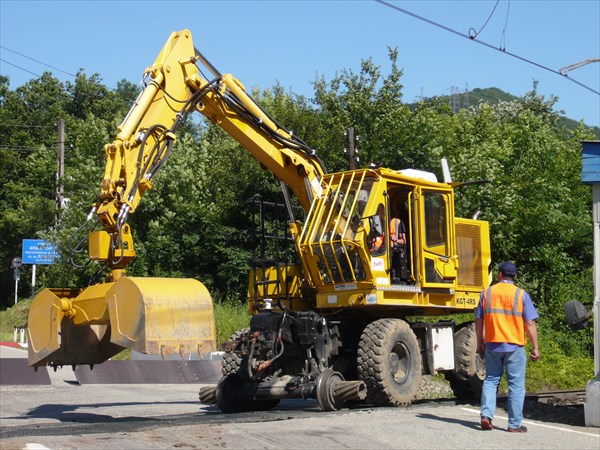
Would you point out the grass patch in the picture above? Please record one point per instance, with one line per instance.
(230, 316)
(556, 371)
(15, 316)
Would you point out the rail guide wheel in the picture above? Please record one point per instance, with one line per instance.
(326, 390)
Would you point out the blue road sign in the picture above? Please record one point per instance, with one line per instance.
(38, 251)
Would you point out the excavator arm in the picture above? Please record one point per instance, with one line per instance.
(159, 315)
(175, 88)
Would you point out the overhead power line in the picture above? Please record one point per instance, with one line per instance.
(503, 39)
(19, 67)
(466, 36)
(35, 60)
(18, 148)
(24, 125)
(472, 33)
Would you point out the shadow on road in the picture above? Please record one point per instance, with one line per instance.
(69, 413)
(464, 423)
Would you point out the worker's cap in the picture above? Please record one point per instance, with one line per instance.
(509, 269)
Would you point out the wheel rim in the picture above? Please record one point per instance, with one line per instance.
(326, 390)
(400, 363)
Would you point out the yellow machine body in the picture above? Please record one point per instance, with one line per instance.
(339, 273)
(447, 258)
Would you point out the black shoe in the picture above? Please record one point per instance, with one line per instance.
(521, 429)
(486, 423)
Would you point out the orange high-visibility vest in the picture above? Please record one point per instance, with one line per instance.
(397, 233)
(503, 314)
(376, 243)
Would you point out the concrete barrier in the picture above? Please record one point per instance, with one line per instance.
(16, 371)
(150, 372)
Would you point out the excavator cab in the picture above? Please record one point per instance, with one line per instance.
(351, 254)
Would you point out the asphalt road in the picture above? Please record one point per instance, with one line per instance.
(66, 415)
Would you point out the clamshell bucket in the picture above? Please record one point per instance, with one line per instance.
(157, 316)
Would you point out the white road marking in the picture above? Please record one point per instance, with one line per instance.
(537, 424)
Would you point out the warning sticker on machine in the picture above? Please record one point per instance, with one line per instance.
(377, 264)
(345, 287)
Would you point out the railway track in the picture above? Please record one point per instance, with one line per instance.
(569, 396)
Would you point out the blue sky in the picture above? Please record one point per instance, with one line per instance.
(293, 42)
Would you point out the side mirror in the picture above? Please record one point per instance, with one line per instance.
(577, 315)
(376, 225)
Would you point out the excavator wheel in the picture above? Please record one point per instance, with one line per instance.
(231, 397)
(467, 378)
(207, 394)
(232, 361)
(229, 394)
(389, 362)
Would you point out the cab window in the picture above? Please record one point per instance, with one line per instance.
(435, 219)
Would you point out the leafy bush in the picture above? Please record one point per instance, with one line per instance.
(556, 371)
(16, 316)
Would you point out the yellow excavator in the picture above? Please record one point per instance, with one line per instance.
(377, 253)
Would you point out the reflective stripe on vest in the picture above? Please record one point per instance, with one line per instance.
(503, 314)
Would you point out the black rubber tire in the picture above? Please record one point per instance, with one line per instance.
(229, 395)
(207, 394)
(389, 362)
(232, 362)
(230, 398)
(467, 378)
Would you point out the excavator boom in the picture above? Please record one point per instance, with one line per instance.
(158, 315)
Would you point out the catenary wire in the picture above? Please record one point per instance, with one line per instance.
(19, 67)
(21, 125)
(503, 38)
(476, 33)
(35, 60)
(466, 36)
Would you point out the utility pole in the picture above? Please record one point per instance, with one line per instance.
(60, 168)
(352, 151)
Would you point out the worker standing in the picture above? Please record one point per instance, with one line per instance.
(502, 317)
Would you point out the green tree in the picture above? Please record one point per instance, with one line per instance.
(370, 103)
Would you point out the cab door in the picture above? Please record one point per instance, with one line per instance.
(438, 268)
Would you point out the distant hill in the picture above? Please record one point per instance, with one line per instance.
(493, 96)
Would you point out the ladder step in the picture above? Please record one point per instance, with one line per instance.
(265, 283)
